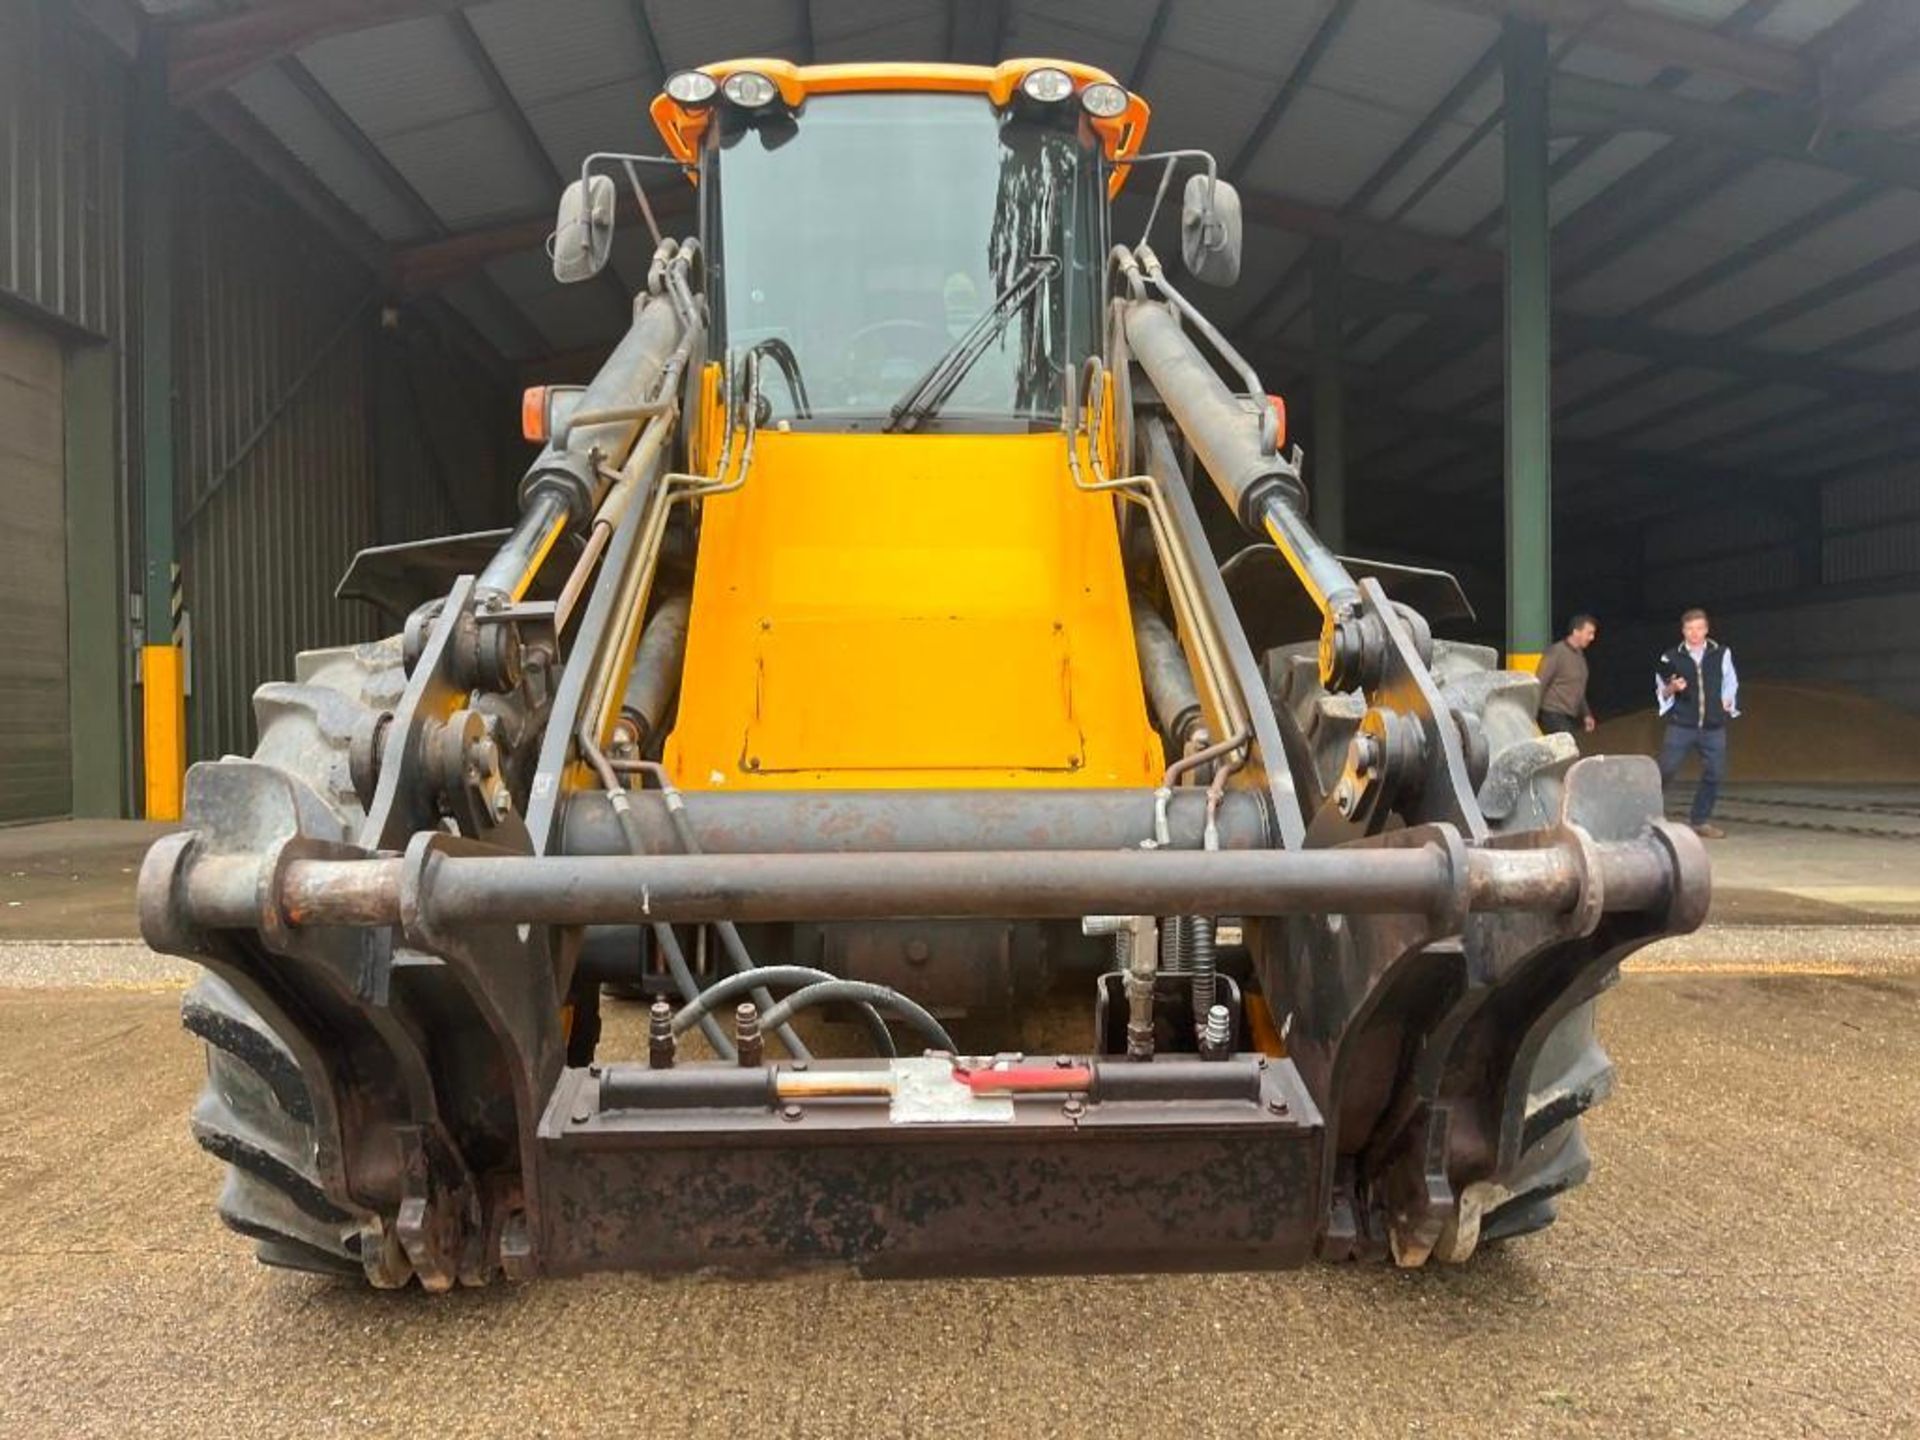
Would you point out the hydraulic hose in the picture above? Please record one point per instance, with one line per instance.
(1202, 958)
(669, 944)
(721, 991)
(730, 941)
(663, 935)
(827, 991)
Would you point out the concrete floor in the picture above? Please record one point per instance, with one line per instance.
(71, 879)
(1742, 1263)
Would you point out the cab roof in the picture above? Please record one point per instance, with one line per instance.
(1121, 136)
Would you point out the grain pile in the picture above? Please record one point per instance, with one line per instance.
(1793, 733)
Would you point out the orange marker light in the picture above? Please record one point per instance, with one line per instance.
(1280, 414)
(534, 413)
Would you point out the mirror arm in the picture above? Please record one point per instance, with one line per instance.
(1171, 159)
(640, 194)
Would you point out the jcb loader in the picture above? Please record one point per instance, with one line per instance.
(870, 661)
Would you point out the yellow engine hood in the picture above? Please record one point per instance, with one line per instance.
(910, 611)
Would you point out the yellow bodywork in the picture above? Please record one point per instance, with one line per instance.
(910, 610)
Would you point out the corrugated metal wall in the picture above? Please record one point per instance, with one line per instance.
(447, 445)
(276, 481)
(312, 422)
(61, 148)
(62, 267)
(1821, 589)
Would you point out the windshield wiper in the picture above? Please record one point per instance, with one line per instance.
(931, 390)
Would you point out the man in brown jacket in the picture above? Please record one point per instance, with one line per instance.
(1563, 680)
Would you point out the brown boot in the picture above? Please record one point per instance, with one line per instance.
(1707, 830)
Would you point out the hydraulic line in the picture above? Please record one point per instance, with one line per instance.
(600, 710)
(663, 935)
(730, 941)
(733, 986)
(1183, 587)
(828, 991)
(1202, 959)
(689, 987)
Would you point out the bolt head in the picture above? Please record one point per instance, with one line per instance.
(1074, 1108)
(790, 1111)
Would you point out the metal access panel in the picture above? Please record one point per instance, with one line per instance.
(1169, 1165)
(36, 761)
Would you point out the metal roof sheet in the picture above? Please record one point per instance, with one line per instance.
(1846, 244)
(1326, 146)
(471, 169)
(1849, 314)
(579, 71)
(1900, 353)
(1065, 37)
(1794, 22)
(1403, 56)
(1471, 191)
(608, 117)
(1615, 157)
(1745, 407)
(868, 30)
(1200, 104)
(293, 119)
(399, 78)
(1657, 392)
(546, 56)
(1251, 37)
(699, 34)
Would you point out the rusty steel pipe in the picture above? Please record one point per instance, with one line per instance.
(1008, 885)
(1051, 885)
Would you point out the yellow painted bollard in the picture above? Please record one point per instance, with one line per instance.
(164, 728)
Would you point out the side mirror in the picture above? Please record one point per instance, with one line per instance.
(1210, 230)
(583, 234)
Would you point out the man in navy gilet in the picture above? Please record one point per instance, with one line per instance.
(1698, 693)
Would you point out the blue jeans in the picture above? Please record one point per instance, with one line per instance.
(1683, 740)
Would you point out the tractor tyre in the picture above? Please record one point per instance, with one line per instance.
(1521, 792)
(1572, 1073)
(255, 1112)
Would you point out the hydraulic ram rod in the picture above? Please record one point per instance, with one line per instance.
(1261, 488)
(224, 891)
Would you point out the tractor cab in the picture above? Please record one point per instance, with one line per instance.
(913, 247)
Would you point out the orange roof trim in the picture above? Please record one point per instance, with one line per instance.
(1121, 137)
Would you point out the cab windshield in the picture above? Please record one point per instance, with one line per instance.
(867, 235)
